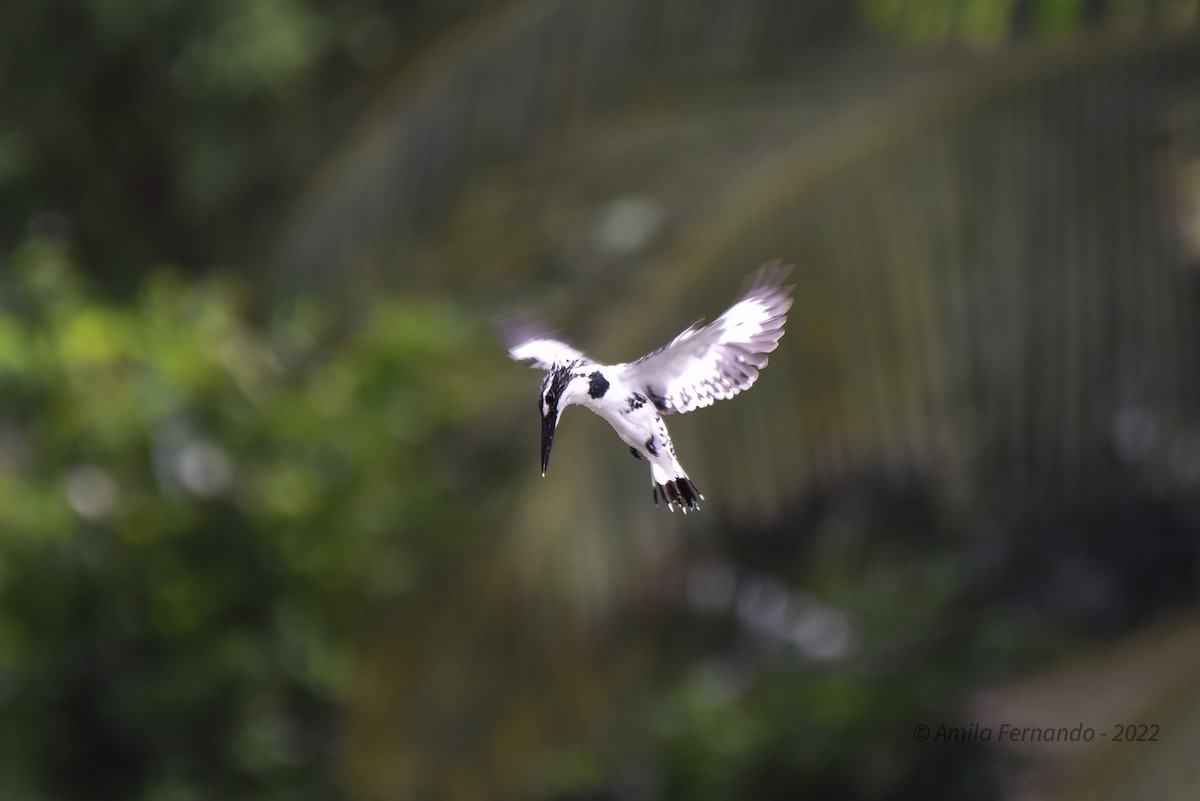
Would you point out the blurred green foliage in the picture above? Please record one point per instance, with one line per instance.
(178, 132)
(200, 515)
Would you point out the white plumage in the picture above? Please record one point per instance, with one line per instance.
(703, 364)
(545, 353)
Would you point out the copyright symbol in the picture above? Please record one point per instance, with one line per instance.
(921, 733)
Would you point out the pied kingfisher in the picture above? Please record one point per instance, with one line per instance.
(703, 364)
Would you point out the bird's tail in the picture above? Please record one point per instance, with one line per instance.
(678, 490)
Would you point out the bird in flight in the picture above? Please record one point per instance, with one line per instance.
(703, 364)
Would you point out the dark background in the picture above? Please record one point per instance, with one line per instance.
(271, 525)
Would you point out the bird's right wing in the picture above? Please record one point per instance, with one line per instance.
(545, 353)
(719, 360)
(529, 341)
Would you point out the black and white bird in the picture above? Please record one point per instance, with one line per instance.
(703, 364)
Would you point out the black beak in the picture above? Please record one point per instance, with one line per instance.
(548, 425)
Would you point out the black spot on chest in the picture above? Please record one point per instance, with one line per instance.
(651, 448)
(636, 401)
(597, 384)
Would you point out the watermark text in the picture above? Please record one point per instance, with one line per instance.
(1014, 733)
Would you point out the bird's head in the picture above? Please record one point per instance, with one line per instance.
(560, 388)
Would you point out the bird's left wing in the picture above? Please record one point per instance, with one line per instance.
(528, 341)
(719, 360)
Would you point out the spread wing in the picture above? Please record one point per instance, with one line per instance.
(719, 360)
(529, 341)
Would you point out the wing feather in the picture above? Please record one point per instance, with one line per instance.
(529, 340)
(707, 363)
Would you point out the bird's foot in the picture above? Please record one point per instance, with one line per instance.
(679, 491)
